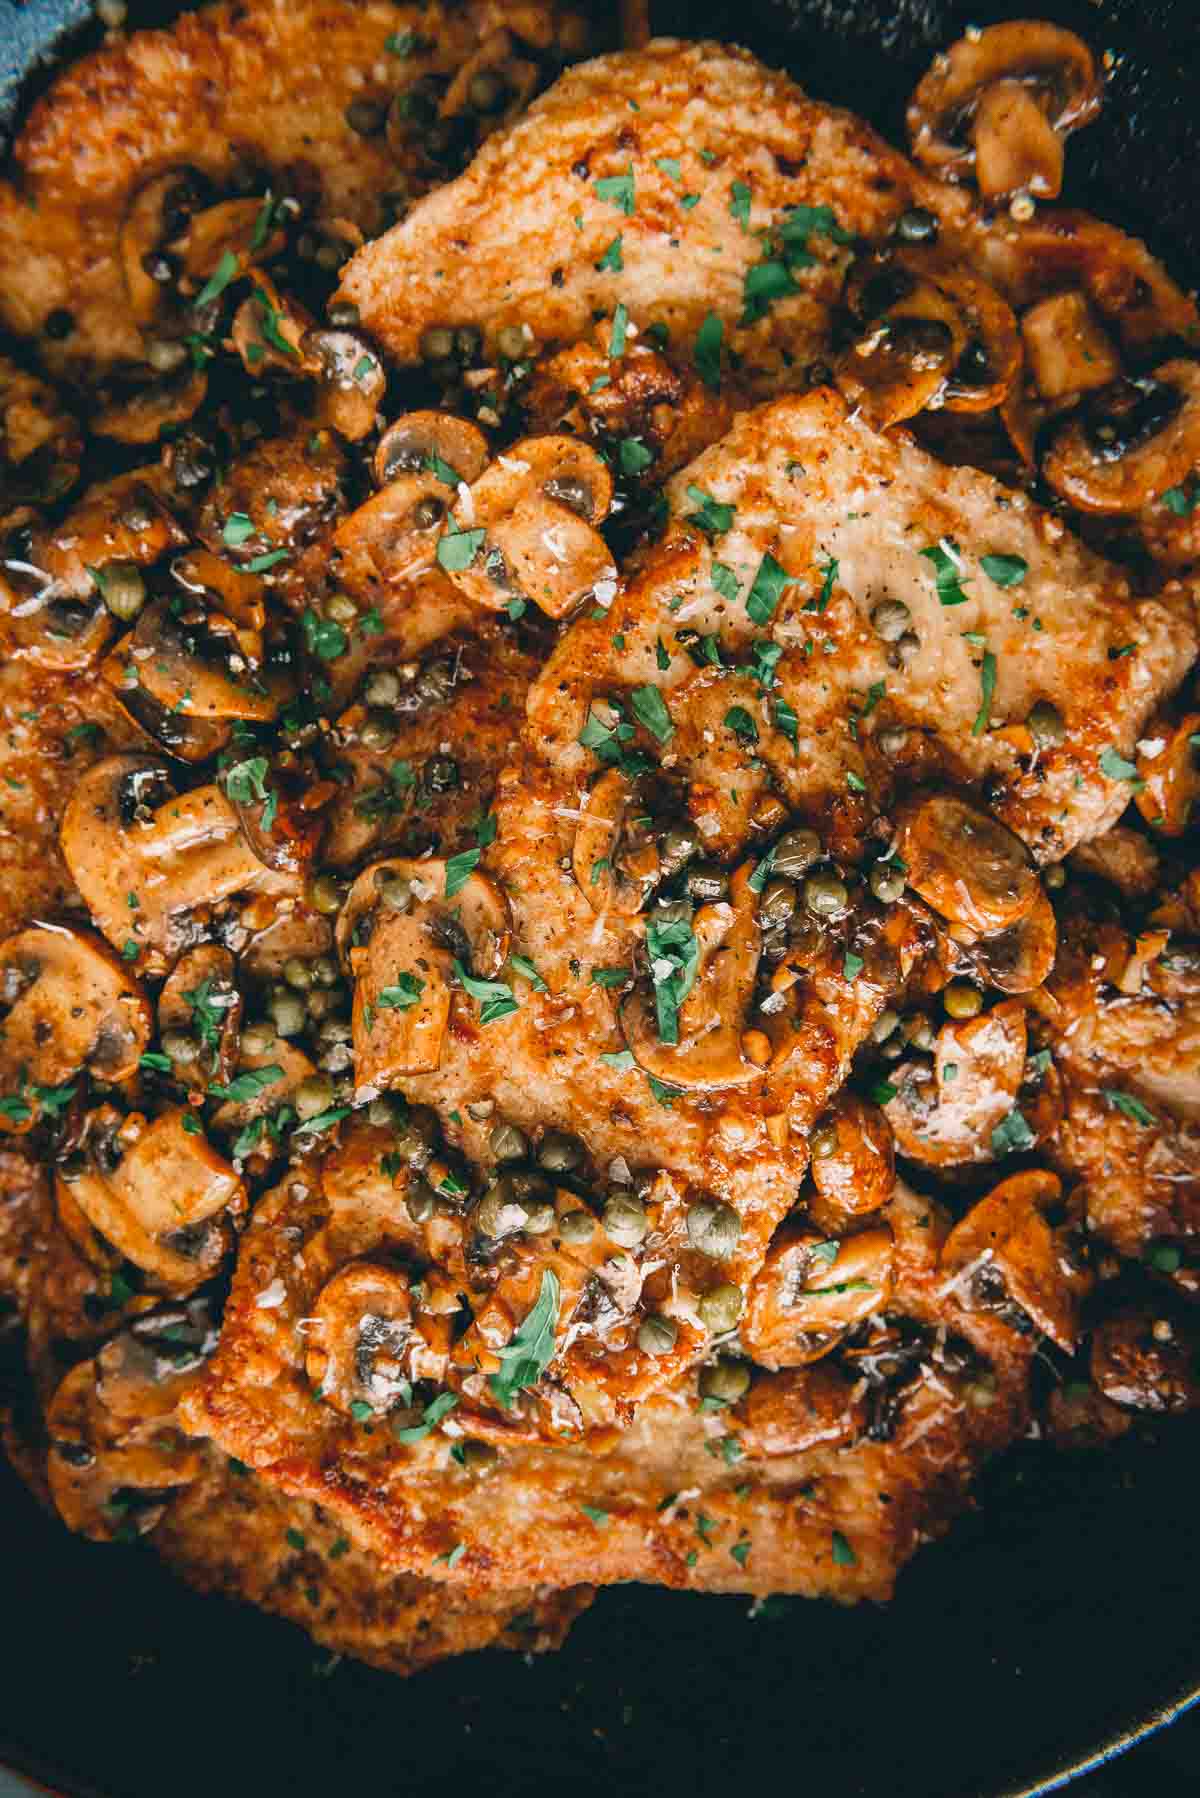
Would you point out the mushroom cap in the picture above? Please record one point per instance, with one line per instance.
(1129, 442)
(1019, 959)
(192, 666)
(139, 417)
(76, 1006)
(963, 862)
(200, 997)
(860, 1174)
(416, 440)
(357, 1340)
(1006, 1230)
(351, 380)
(987, 1056)
(811, 1290)
(594, 852)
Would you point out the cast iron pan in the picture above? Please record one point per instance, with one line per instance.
(1055, 1626)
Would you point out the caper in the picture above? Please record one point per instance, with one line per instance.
(885, 1025)
(823, 1142)
(498, 1213)
(892, 740)
(825, 894)
(917, 1030)
(378, 731)
(164, 356)
(335, 1030)
(507, 1143)
(624, 1219)
(486, 91)
(326, 895)
(890, 619)
(1046, 725)
(365, 117)
(137, 516)
(297, 973)
(288, 1013)
(478, 1456)
(417, 1137)
(420, 1202)
(123, 589)
(886, 882)
(341, 608)
(1055, 877)
(576, 1226)
(344, 315)
(395, 892)
(795, 853)
(179, 1046)
(962, 1000)
(313, 1095)
(657, 1334)
(560, 1152)
(720, 1308)
(258, 1037)
(713, 1228)
(916, 225)
(706, 882)
(383, 1112)
(777, 904)
(435, 683)
(437, 344)
(726, 1379)
(58, 324)
(510, 341)
(540, 1216)
(383, 688)
(677, 847)
(468, 341)
(907, 647)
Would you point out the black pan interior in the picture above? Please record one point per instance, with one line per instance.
(1056, 1622)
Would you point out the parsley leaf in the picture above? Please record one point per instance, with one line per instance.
(1006, 571)
(247, 781)
(843, 1554)
(650, 709)
(526, 1357)
(522, 965)
(767, 589)
(987, 688)
(225, 271)
(670, 166)
(707, 355)
(432, 1415)
(617, 190)
(1114, 764)
(725, 581)
(620, 330)
(674, 962)
(459, 870)
(1011, 1134)
(738, 720)
(633, 456)
(237, 529)
(712, 516)
(402, 994)
(247, 1085)
(495, 996)
(947, 571)
(598, 1517)
(458, 549)
(323, 637)
(739, 204)
(1130, 1107)
(612, 257)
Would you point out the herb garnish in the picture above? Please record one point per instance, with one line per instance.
(526, 1357)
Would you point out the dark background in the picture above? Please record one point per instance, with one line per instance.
(1057, 1621)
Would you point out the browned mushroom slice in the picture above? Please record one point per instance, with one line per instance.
(364, 1347)
(121, 520)
(125, 832)
(1004, 1252)
(187, 739)
(282, 809)
(234, 232)
(194, 664)
(1018, 959)
(352, 381)
(420, 462)
(269, 332)
(1067, 349)
(788, 1412)
(689, 1030)
(420, 442)
(911, 335)
(1168, 761)
(999, 104)
(988, 366)
(853, 1164)
(609, 880)
(164, 1199)
(209, 578)
(66, 1003)
(529, 530)
(153, 217)
(1129, 442)
(399, 933)
(964, 863)
(140, 416)
(40, 441)
(252, 1125)
(1147, 1361)
(811, 1290)
(200, 1015)
(946, 1115)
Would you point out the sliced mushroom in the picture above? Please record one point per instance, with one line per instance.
(1067, 349)
(1168, 761)
(419, 441)
(1004, 1252)
(985, 371)
(789, 1412)
(187, 739)
(66, 1003)
(531, 528)
(810, 1291)
(945, 1115)
(283, 814)
(232, 228)
(609, 879)
(1146, 1361)
(118, 521)
(1129, 442)
(125, 831)
(711, 1050)
(420, 462)
(164, 1199)
(969, 867)
(910, 336)
(853, 1163)
(40, 441)
(253, 1126)
(399, 935)
(1000, 103)
(141, 415)
(1019, 959)
(156, 215)
(360, 1339)
(201, 1005)
(194, 664)
(269, 332)
(212, 579)
(352, 381)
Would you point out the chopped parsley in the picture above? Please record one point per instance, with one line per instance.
(725, 581)
(767, 589)
(707, 354)
(237, 530)
(495, 996)
(1012, 1134)
(620, 331)
(611, 976)
(1006, 571)
(247, 1085)
(1129, 1106)
(1181, 501)
(247, 781)
(1114, 764)
(852, 965)
(598, 1517)
(670, 166)
(458, 549)
(674, 962)
(617, 190)
(713, 516)
(323, 637)
(740, 198)
(529, 1353)
(947, 571)
(432, 1415)
(459, 869)
(843, 1554)
(225, 271)
(786, 721)
(522, 965)
(987, 688)
(612, 257)
(650, 709)
(402, 994)
(738, 720)
(633, 456)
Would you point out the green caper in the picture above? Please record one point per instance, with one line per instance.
(319, 1003)
(378, 731)
(777, 904)
(823, 1142)
(507, 1143)
(335, 1030)
(726, 1379)
(917, 1030)
(560, 1152)
(258, 1037)
(498, 1212)
(657, 1334)
(890, 619)
(417, 1137)
(1055, 877)
(344, 316)
(486, 92)
(713, 1228)
(326, 894)
(313, 1095)
(297, 973)
(365, 118)
(624, 1219)
(540, 1216)
(123, 589)
(906, 649)
(383, 688)
(886, 882)
(576, 1226)
(179, 1046)
(892, 740)
(324, 970)
(441, 774)
(1045, 723)
(478, 1456)
(428, 511)
(825, 895)
(288, 1013)
(468, 341)
(962, 1000)
(706, 882)
(720, 1308)
(510, 341)
(395, 892)
(383, 1112)
(164, 356)
(916, 225)
(677, 847)
(795, 853)
(420, 1201)
(341, 608)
